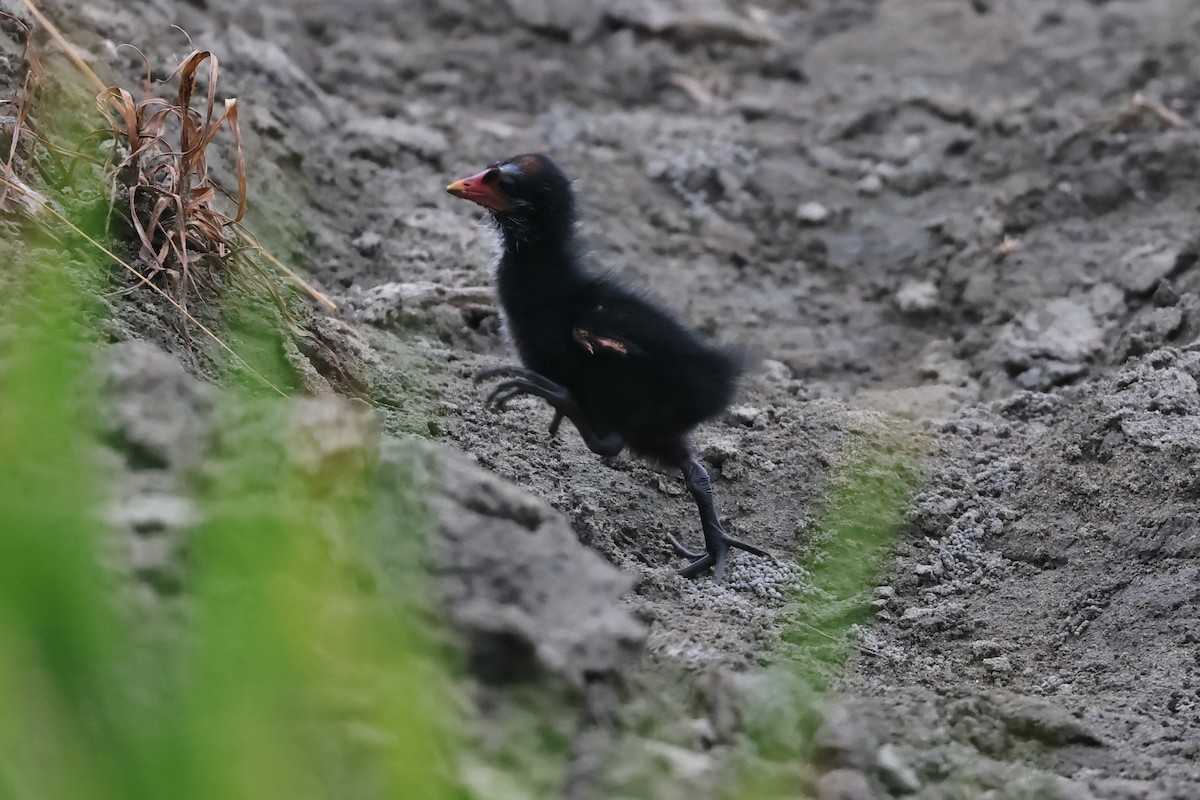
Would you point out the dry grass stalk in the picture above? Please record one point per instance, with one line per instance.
(19, 160)
(1141, 106)
(171, 194)
(67, 48)
(60, 217)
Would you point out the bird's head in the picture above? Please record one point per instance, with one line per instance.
(529, 197)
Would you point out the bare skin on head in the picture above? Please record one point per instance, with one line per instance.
(623, 370)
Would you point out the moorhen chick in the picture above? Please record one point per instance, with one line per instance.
(620, 367)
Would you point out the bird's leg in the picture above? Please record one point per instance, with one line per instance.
(717, 543)
(525, 381)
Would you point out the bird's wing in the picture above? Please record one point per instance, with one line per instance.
(622, 324)
(593, 342)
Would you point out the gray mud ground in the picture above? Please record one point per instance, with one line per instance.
(905, 207)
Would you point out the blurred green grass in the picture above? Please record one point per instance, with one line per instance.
(864, 514)
(302, 665)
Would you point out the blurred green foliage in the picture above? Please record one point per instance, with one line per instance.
(299, 663)
(865, 509)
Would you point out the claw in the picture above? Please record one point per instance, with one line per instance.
(716, 557)
(506, 391)
(499, 399)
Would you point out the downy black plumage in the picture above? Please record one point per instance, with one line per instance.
(619, 366)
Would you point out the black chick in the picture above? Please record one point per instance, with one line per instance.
(620, 367)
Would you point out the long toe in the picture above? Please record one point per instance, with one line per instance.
(503, 392)
(520, 374)
(717, 556)
(684, 552)
(749, 548)
(699, 565)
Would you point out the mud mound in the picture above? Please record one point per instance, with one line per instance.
(1046, 612)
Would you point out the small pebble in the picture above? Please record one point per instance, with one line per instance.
(844, 784)
(813, 213)
(999, 664)
(870, 185)
(916, 297)
(896, 775)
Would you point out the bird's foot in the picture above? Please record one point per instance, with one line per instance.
(523, 381)
(718, 544)
(522, 374)
(520, 381)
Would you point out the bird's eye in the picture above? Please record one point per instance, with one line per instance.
(506, 182)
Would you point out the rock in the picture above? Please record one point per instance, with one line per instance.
(149, 513)
(1034, 718)
(844, 784)
(813, 213)
(984, 648)
(687, 766)
(1061, 329)
(1143, 267)
(1049, 374)
(717, 451)
(528, 597)
(745, 415)
(160, 414)
(998, 665)
(921, 175)
(368, 243)
(1165, 295)
(1103, 190)
(843, 740)
(776, 372)
(895, 773)
(1151, 329)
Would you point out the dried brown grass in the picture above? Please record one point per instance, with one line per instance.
(16, 196)
(163, 173)
(171, 195)
(159, 179)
